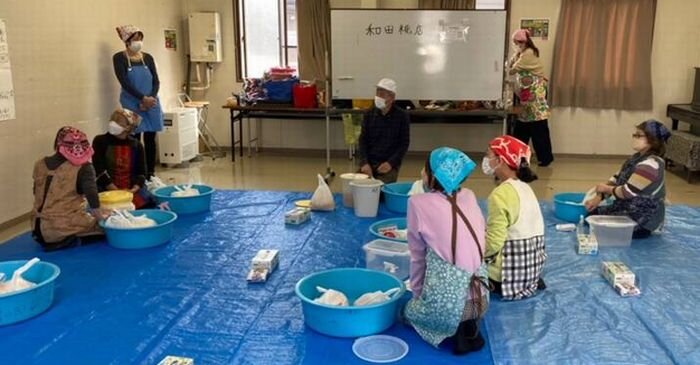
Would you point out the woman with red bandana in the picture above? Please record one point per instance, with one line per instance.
(62, 184)
(119, 157)
(515, 227)
(531, 88)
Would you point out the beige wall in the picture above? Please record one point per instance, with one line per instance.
(675, 53)
(62, 73)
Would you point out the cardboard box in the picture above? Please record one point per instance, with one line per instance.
(258, 275)
(616, 272)
(176, 360)
(627, 290)
(297, 216)
(266, 259)
(587, 245)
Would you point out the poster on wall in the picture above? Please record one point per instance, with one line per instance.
(7, 90)
(538, 28)
(170, 39)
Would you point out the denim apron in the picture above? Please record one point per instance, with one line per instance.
(141, 79)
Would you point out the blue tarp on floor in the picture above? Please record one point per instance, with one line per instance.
(190, 297)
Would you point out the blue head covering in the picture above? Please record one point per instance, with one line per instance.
(657, 129)
(450, 167)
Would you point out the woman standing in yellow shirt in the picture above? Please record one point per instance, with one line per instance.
(531, 88)
(515, 227)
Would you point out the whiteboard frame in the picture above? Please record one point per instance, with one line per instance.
(330, 76)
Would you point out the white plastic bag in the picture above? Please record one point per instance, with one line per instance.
(331, 297)
(416, 188)
(322, 198)
(17, 282)
(124, 219)
(154, 183)
(375, 297)
(183, 191)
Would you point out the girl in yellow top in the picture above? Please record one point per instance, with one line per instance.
(531, 88)
(514, 228)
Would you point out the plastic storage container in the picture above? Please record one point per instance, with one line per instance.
(612, 231)
(400, 223)
(396, 196)
(389, 256)
(117, 199)
(349, 321)
(24, 304)
(569, 206)
(186, 204)
(138, 238)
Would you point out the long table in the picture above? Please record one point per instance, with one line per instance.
(239, 113)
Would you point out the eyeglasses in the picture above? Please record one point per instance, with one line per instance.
(639, 135)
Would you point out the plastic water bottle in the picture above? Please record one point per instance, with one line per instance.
(581, 230)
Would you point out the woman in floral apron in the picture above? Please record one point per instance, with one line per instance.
(515, 227)
(446, 241)
(531, 88)
(63, 184)
(639, 188)
(137, 75)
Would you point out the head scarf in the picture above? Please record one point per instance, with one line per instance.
(127, 31)
(657, 129)
(450, 167)
(126, 119)
(510, 150)
(73, 144)
(521, 35)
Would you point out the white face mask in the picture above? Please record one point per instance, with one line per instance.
(379, 102)
(486, 167)
(135, 46)
(115, 129)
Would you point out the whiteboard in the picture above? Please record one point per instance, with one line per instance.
(431, 54)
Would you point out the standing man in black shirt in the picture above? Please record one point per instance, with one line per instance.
(385, 135)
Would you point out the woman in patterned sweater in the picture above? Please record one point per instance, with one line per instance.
(639, 187)
(119, 157)
(515, 227)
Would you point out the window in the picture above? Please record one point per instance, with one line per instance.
(491, 4)
(267, 35)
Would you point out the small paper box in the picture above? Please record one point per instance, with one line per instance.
(258, 275)
(627, 290)
(297, 216)
(176, 360)
(266, 259)
(587, 245)
(616, 272)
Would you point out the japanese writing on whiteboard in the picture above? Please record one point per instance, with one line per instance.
(373, 30)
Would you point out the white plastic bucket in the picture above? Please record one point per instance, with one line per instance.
(347, 189)
(365, 195)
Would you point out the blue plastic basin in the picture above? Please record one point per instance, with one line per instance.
(396, 196)
(569, 207)
(400, 223)
(24, 304)
(186, 204)
(138, 238)
(349, 321)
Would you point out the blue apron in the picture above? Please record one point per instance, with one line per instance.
(141, 79)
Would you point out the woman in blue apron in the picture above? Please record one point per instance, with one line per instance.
(446, 235)
(136, 72)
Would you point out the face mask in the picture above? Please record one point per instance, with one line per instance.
(486, 167)
(639, 144)
(115, 129)
(379, 102)
(135, 46)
